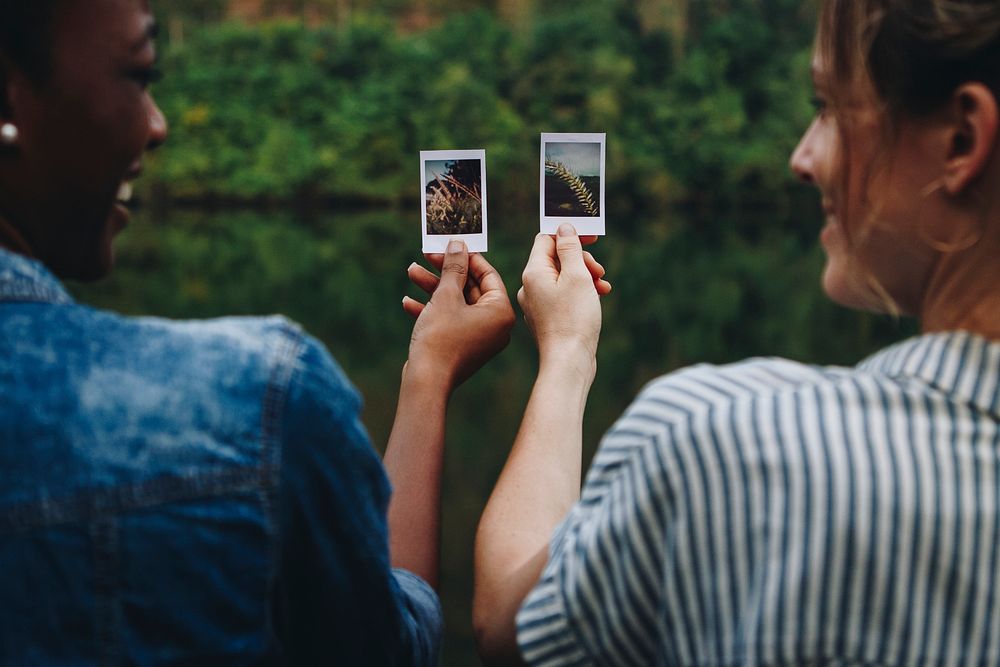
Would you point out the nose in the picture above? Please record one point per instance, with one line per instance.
(802, 161)
(157, 125)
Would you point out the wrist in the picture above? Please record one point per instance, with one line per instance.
(577, 351)
(428, 376)
(573, 363)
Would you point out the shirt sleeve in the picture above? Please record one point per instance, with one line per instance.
(337, 599)
(600, 598)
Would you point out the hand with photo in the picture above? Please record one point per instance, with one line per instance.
(467, 320)
(561, 297)
(541, 480)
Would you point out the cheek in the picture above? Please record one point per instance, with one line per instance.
(862, 164)
(828, 155)
(115, 114)
(125, 128)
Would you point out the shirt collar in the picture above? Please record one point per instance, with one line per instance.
(958, 363)
(23, 279)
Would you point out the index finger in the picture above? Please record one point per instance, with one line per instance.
(484, 274)
(436, 259)
(588, 240)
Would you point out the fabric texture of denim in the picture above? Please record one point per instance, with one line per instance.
(188, 493)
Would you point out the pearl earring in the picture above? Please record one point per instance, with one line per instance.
(9, 134)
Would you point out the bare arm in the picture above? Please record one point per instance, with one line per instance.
(466, 322)
(413, 461)
(541, 480)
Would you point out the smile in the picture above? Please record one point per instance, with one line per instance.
(124, 192)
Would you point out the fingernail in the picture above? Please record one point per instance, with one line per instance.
(566, 229)
(456, 245)
(412, 264)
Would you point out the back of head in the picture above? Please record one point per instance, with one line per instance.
(25, 39)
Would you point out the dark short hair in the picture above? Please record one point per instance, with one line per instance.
(26, 35)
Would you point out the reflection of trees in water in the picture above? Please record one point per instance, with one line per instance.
(454, 199)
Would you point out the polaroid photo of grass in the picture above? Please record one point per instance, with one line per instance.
(572, 182)
(454, 199)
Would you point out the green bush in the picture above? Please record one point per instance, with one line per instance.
(285, 112)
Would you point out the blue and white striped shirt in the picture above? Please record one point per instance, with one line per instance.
(770, 512)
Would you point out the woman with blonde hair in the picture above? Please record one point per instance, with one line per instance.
(770, 512)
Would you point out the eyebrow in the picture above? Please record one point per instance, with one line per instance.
(152, 32)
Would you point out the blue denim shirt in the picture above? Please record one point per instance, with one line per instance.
(188, 492)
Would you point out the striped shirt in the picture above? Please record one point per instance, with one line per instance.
(770, 512)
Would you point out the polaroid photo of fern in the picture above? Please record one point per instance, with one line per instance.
(572, 188)
(454, 199)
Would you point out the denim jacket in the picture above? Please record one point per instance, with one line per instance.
(188, 493)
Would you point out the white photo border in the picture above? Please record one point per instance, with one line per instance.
(438, 243)
(584, 226)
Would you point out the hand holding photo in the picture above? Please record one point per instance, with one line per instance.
(454, 199)
(572, 182)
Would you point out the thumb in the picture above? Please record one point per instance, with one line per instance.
(570, 250)
(455, 269)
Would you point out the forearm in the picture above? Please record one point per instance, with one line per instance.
(413, 461)
(538, 486)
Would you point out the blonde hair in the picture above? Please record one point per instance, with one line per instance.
(906, 58)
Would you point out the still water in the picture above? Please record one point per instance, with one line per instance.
(688, 288)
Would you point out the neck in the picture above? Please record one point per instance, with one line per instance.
(964, 292)
(12, 239)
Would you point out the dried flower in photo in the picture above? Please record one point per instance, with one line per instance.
(454, 197)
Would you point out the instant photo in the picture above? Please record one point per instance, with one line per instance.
(572, 185)
(454, 199)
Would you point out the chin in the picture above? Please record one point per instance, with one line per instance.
(846, 285)
(99, 264)
(837, 288)
(83, 257)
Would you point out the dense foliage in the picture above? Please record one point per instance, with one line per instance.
(711, 246)
(281, 111)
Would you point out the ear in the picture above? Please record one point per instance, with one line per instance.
(972, 136)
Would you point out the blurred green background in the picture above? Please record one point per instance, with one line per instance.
(291, 184)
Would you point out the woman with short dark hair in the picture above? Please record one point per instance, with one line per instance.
(192, 492)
